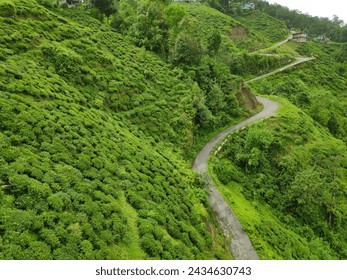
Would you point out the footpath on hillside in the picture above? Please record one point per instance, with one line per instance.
(239, 243)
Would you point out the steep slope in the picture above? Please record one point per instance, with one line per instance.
(207, 20)
(111, 73)
(249, 31)
(269, 29)
(286, 178)
(87, 127)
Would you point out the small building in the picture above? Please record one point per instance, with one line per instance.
(248, 6)
(300, 37)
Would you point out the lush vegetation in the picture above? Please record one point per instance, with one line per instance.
(293, 175)
(335, 29)
(292, 169)
(286, 178)
(91, 132)
(209, 46)
(103, 107)
(266, 27)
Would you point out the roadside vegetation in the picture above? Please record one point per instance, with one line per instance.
(285, 178)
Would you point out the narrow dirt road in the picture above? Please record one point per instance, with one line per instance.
(239, 243)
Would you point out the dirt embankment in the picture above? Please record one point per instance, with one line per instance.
(246, 98)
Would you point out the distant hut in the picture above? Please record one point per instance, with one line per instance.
(300, 37)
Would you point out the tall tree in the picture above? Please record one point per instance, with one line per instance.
(106, 7)
(187, 50)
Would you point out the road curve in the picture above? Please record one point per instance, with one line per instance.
(200, 163)
(238, 242)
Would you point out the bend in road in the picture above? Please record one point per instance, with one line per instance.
(200, 163)
(276, 45)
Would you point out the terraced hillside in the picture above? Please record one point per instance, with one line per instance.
(87, 127)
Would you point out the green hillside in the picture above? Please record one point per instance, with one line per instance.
(87, 128)
(104, 106)
(208, 20)
(293, 167)
(257, 31)
(267, 28)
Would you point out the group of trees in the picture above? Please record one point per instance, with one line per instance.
(194, 38)
(106, 7)
(291, 163)
(93, 128)
(172, 33)
(334, 28)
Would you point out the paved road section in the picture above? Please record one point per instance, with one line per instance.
(275, 45)
(283, 42)
(200, 163)
(238, 241)
(296, 62)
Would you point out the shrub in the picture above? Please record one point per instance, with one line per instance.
(7, 9)
(151, 246)
(187, 50)
(66, 61)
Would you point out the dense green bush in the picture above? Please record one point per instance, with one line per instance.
(187, 50)
(7, 9)
(66, 61)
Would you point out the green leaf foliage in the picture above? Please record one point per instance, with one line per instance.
(102, 106)
(92, 133)
(7, 9)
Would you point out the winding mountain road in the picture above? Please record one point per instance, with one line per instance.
(238, 241)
